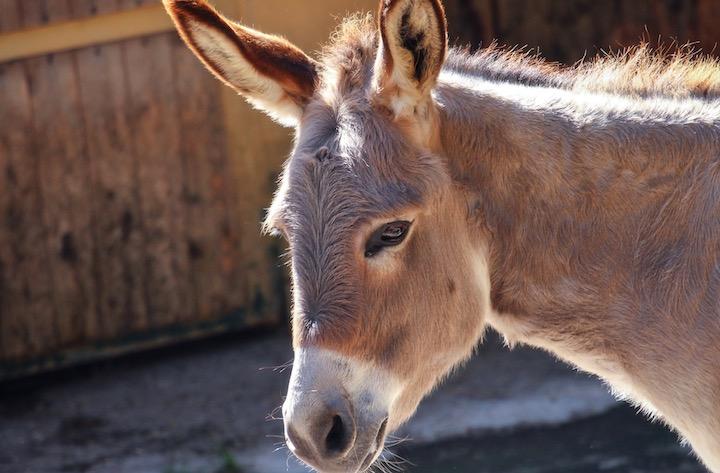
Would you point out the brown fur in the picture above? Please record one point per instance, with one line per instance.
(638, 71)
(575, 209)
(386, 7)
(272, 56)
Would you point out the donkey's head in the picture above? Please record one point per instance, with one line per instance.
(389, 285)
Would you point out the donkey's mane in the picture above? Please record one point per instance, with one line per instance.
(640, 71)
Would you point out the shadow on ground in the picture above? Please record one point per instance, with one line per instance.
(620, 441)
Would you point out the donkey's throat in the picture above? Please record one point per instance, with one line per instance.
(607, 366)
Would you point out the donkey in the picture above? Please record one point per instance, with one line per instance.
(432, 193)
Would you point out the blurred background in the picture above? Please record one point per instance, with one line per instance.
(143, 318)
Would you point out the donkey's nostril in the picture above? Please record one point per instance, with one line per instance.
(324, 432)
(338, 438)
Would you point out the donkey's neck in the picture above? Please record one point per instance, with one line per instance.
(566, 185)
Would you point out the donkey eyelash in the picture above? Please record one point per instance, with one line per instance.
(387, 235)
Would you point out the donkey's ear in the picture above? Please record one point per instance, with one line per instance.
(412, 51)
(273, 74)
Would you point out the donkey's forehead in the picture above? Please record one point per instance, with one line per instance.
(350, 126)
(349, 166)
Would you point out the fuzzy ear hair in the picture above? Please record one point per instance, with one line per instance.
(412, 51)
(273, 74)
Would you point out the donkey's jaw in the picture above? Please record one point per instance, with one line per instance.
(337, 410)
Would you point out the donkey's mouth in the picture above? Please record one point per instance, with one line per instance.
(381, 433)
(373, 454)
(368, 461)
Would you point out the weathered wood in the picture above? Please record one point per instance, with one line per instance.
(10, 18)
(26, 305)
(708, 18)
(151, 111)
(64, 178)
(44, 10)
(570, 30)
(210, 241)
(81, 32)
(115, 202)
(90, 8)
(13, 333)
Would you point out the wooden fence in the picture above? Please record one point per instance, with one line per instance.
(132, 183)
(568, 30)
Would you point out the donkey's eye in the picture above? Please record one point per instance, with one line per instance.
(390, 234)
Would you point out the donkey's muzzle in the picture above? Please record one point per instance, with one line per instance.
(322, 432)
(328, 439)
(335, 418)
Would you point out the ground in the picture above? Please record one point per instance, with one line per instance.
(210, 407)
(618, 441)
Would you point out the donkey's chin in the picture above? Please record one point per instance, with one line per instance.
(336, 412)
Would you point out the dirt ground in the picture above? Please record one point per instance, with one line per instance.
(211, 407)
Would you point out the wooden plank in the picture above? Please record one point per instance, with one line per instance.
(10, 341)
(92, 8)
(247, 175)
(708, 18)
(151, 112)
(10, 18)
(42, 6)
(250, 181)
(26, 303)
(21, 234)
(475, 21)
(569, 30)
(115, 203)
(37, 13)
(64, 177)
(210, 242)
(57, 35)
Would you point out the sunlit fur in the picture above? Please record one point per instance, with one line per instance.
(274, 75)
(593, 192)
(377, 309)
(574, 209)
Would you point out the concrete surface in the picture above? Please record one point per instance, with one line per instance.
(619, 441)
(210, 407)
